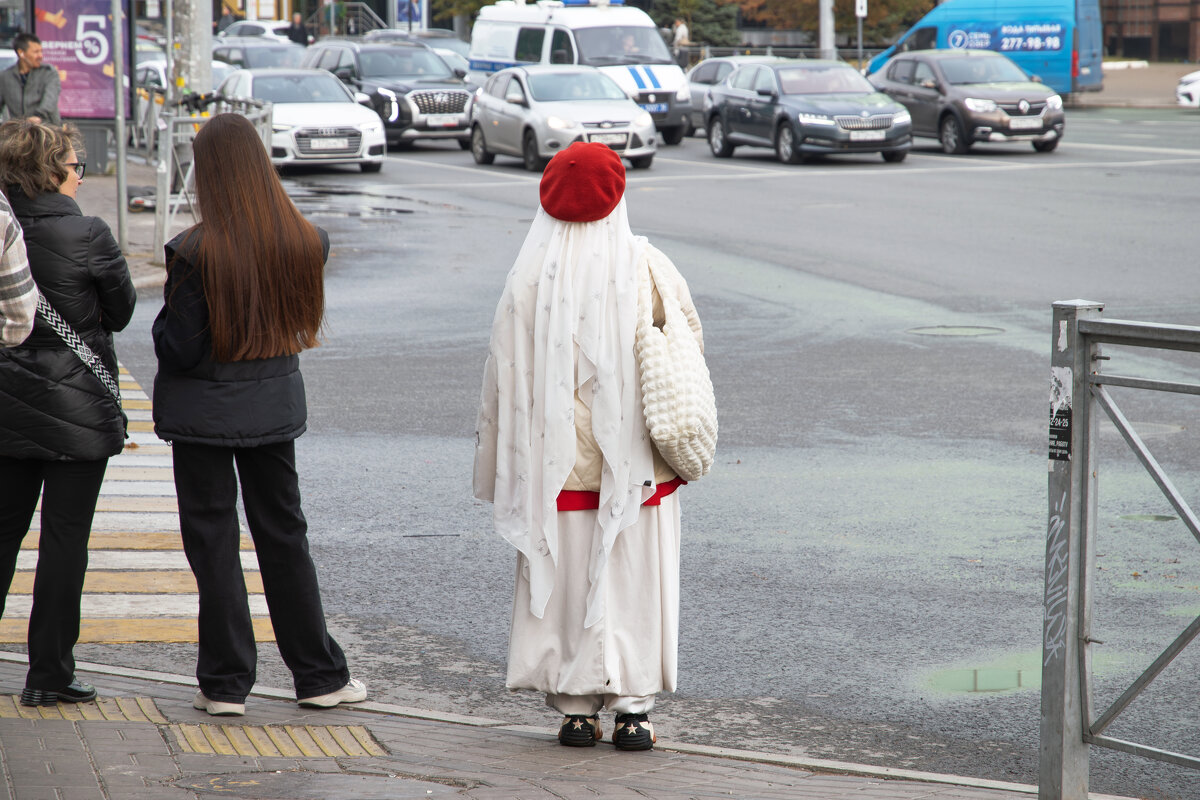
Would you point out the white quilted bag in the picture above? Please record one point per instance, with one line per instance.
(677, 392)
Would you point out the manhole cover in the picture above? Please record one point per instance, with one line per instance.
(955, 330)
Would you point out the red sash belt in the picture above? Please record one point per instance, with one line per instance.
(569, 500)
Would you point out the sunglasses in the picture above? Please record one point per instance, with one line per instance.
(80, 167)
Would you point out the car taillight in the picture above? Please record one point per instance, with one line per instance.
(1074, 63)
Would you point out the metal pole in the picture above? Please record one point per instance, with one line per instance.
(1066, 659)
(162, 174)
(825, 21)
(860, 64)
(172, 91)
(118, 46)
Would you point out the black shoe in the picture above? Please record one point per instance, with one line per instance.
(75, 693)
(633, 732)
(579, 731)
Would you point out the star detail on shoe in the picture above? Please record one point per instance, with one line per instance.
(577, 724)
(630, 728)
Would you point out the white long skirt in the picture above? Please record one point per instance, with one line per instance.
(632, 651)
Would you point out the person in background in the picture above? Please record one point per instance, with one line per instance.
(58, 423)
(227, 19)
(296, 31)
(18, 293)
(244, 295)
(29, 89)
(563, 454)
(679, 41)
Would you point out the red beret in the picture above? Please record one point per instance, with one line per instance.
(583, 183)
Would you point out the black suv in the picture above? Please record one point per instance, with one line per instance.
(411, 88)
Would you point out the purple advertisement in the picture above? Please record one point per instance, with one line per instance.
(77, 39)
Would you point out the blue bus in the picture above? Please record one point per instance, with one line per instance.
(1058, 41)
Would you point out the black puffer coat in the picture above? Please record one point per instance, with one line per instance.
(51, 405)
(219, 403)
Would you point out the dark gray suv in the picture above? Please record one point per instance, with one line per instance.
(961, 97)
(411, 88)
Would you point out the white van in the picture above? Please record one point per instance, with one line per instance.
(621, 41)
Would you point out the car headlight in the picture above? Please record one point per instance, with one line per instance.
(374, 127)
(278, 127)
(643, 120)
(979, 105)
(559, 124)
(813, 119)
(393, 110)
(684, 93)
(903, 118)
(1054, 102)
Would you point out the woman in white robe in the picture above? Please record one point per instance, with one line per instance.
(564, 455)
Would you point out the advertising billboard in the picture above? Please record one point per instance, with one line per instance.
(77, 40)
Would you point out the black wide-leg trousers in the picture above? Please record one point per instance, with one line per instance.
(69, 490)
(207, 489)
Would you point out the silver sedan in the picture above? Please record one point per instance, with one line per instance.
(532, 112)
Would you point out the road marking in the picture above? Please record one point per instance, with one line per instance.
(139, 586)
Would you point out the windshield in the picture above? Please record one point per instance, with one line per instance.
(403, 62)
(301, 89)
(973, 69)
(274, 56)
(621, 45)
(823, 80)
(552, 87)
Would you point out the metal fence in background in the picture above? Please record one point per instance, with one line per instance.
(694, 54)
(1078, 393)
(174, 169)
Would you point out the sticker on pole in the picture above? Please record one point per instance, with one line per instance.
(1060, 413)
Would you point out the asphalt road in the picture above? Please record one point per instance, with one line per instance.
(868, 552)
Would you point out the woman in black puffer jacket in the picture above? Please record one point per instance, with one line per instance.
(58, 423)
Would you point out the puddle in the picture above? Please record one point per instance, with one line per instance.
(1149, 517)
(985, 680)
(358, 213)
(955, 330)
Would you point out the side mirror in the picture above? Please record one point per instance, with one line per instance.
(344, 73)
(362, 99)
(771, 93)
(1035, 78)
(929, 83)
(515, 99)
(560, 57)
(460, 73)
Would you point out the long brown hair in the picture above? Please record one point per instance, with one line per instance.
(262, 264)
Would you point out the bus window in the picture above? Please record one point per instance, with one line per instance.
(561, 49)
(920, 39)
(529, 44)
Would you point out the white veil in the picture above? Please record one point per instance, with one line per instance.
(573, 289)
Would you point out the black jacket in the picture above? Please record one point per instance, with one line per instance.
(51, 405)
(220, 403)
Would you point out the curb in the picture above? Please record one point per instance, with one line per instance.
(816, 765)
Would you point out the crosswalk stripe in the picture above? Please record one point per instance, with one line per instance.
(139, 587)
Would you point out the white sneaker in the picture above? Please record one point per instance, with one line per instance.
(352, 692)
(217, 708)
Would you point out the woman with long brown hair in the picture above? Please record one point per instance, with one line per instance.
(244, 295)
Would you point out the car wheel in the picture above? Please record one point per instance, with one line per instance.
(894, 156)
(689, 129)
(953, 141)
(1046, 147)
(529, 150)
(642, 162)
(785, 144)
(673, 135)
(479, 149)
(717, 143)
(371, 166)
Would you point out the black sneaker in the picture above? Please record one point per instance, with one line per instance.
(75, 693)
(633, 732)
(579, 731)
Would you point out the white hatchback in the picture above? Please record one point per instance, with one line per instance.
(315, 118)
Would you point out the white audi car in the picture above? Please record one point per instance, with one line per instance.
(1188, 90)
(315, 118)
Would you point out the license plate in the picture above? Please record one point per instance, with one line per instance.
(867, 136)
(330, 144)
(441, 120)
(656, 108)
(1025, 123)
(607, 138)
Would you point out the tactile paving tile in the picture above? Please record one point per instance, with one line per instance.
(102, 709)
(293, 741)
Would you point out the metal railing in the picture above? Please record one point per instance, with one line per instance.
(343, 19)
(693, 54)
(1079, 390)
(174, 169)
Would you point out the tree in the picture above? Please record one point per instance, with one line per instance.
(885, 19)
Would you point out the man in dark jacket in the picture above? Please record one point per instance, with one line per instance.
(29, 89)
(297, 32)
